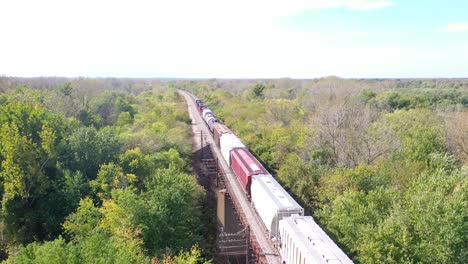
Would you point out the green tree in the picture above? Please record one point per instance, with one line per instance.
(428, 226)
(355, 213)
(29, 137)
(413, 134)
(104, 235)
(258, 89)
(54, 252)
(124, 119)
(301, 178)
(186, 257)
(110, 177)
(87, 148)
(168, 213)
(134, 161)
(81, 224)
(367, 95)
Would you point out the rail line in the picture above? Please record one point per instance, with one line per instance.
(260, 243)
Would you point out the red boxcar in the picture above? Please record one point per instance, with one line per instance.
(201, 107)
(244, 165)
(198, 103)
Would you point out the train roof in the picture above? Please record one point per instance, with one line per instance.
(317, 243)
(276, 192)
(249, 161)
(222, 128)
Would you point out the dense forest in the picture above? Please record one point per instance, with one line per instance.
(381, 164)
(98, 171)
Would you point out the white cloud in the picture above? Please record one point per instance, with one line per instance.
(186, 38)
(458, 27)
(365, 4)
(290, 7)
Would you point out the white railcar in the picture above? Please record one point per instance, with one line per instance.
(208, 116)
(207, 112)
(272, 202)
(304, 242)
(227, 143)
(210, 121)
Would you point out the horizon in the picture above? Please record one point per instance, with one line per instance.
(239, 79)
(352, 39)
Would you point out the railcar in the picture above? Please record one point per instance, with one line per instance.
(210, 121)
(302, 241)
(206, 112)
(245, 165)
(218, 130)
(201, 106)
(272, 202)
(207, 116)
(198, 103)
(227, 143)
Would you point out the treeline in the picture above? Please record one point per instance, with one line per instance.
(98, 171)
(382, 164)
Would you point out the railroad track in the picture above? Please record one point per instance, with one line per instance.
(260, 241)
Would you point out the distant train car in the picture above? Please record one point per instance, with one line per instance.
(210, 121)
(207, 115)
(304, 242)
(206, 112)
(201, 107)
(198, 103)
(272, 202)
(218, 130)
(245, 165)
(227, 143)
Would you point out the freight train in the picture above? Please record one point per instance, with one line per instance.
(299, 239)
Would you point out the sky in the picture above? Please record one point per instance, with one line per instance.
(234, 39)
